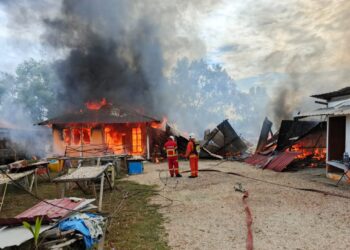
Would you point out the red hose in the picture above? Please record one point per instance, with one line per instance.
(249, 220)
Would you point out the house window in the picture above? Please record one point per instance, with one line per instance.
(77, 136)
(67, 136)
(136, 140)
(86, 135)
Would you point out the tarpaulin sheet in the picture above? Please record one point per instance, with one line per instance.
(89, 225)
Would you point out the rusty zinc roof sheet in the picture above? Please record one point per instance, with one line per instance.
(257, 159)
(282, 160)
(59, 208)
(278, 163)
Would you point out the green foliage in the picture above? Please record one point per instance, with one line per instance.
(32, 89)
(35, 88)
(206, 93)
(7, 82)
(36, 231)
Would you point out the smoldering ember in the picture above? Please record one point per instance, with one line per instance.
(174, 124)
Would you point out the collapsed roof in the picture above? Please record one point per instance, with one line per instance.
(222, 141)
(291, 131)
(272, 153)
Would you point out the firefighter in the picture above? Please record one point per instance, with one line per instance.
(192, 152)
(171, 151)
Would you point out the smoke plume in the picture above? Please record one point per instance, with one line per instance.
(116, 49)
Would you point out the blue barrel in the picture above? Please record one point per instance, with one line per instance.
(135, 167)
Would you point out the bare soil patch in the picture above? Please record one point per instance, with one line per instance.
(206, 212)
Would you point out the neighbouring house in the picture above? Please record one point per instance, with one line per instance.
(101, 128)
(337, 114)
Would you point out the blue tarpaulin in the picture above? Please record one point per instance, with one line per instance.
(89, 225)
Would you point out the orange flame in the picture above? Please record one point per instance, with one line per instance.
(114, 140)
(160, 125)
(315, 153)
(96, 105)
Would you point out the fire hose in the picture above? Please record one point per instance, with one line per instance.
(249, 218)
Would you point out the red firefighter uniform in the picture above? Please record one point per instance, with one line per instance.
(192, 153)
(171, 152)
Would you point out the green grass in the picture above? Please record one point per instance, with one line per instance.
(137, 224)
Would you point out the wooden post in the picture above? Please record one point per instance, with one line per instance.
(36, 183)
(113, 175)
(93, 188)
(147, 144)
(101, 193)
(32, 181)
(3, 196)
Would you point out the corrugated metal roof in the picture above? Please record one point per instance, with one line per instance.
(282, 160)
(257, 159)
(17, 235)
(291, 131)
(60, 208)
(278, 163)
(108, 115)
(343, 110)
(330, 95)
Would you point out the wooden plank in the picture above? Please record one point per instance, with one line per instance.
(32, 182)
(16, 176)
(103, 157)
(83, 173)
(108, 180)
(4, 189)
(101, 193)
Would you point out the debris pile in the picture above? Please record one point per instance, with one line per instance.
(62, 222)
(222, 142)
(297, 144)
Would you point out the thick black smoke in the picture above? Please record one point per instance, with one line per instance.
(101, 63)
(113, 49)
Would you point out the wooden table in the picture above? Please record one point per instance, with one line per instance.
(119, 161)
(6, 179)
(87, 174)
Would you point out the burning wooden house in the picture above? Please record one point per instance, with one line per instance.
(101, 128)
(337, 115)
(297, 143)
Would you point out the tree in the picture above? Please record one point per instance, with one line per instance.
(7, 82)
(202, 95)
(31, 90)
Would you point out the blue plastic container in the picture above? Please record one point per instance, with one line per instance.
(135, 167)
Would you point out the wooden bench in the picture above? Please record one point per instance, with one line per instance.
(6, 179)
(89, 174)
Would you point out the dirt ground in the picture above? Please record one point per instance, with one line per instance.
(206, 212)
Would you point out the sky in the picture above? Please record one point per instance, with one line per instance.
(258, 42)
